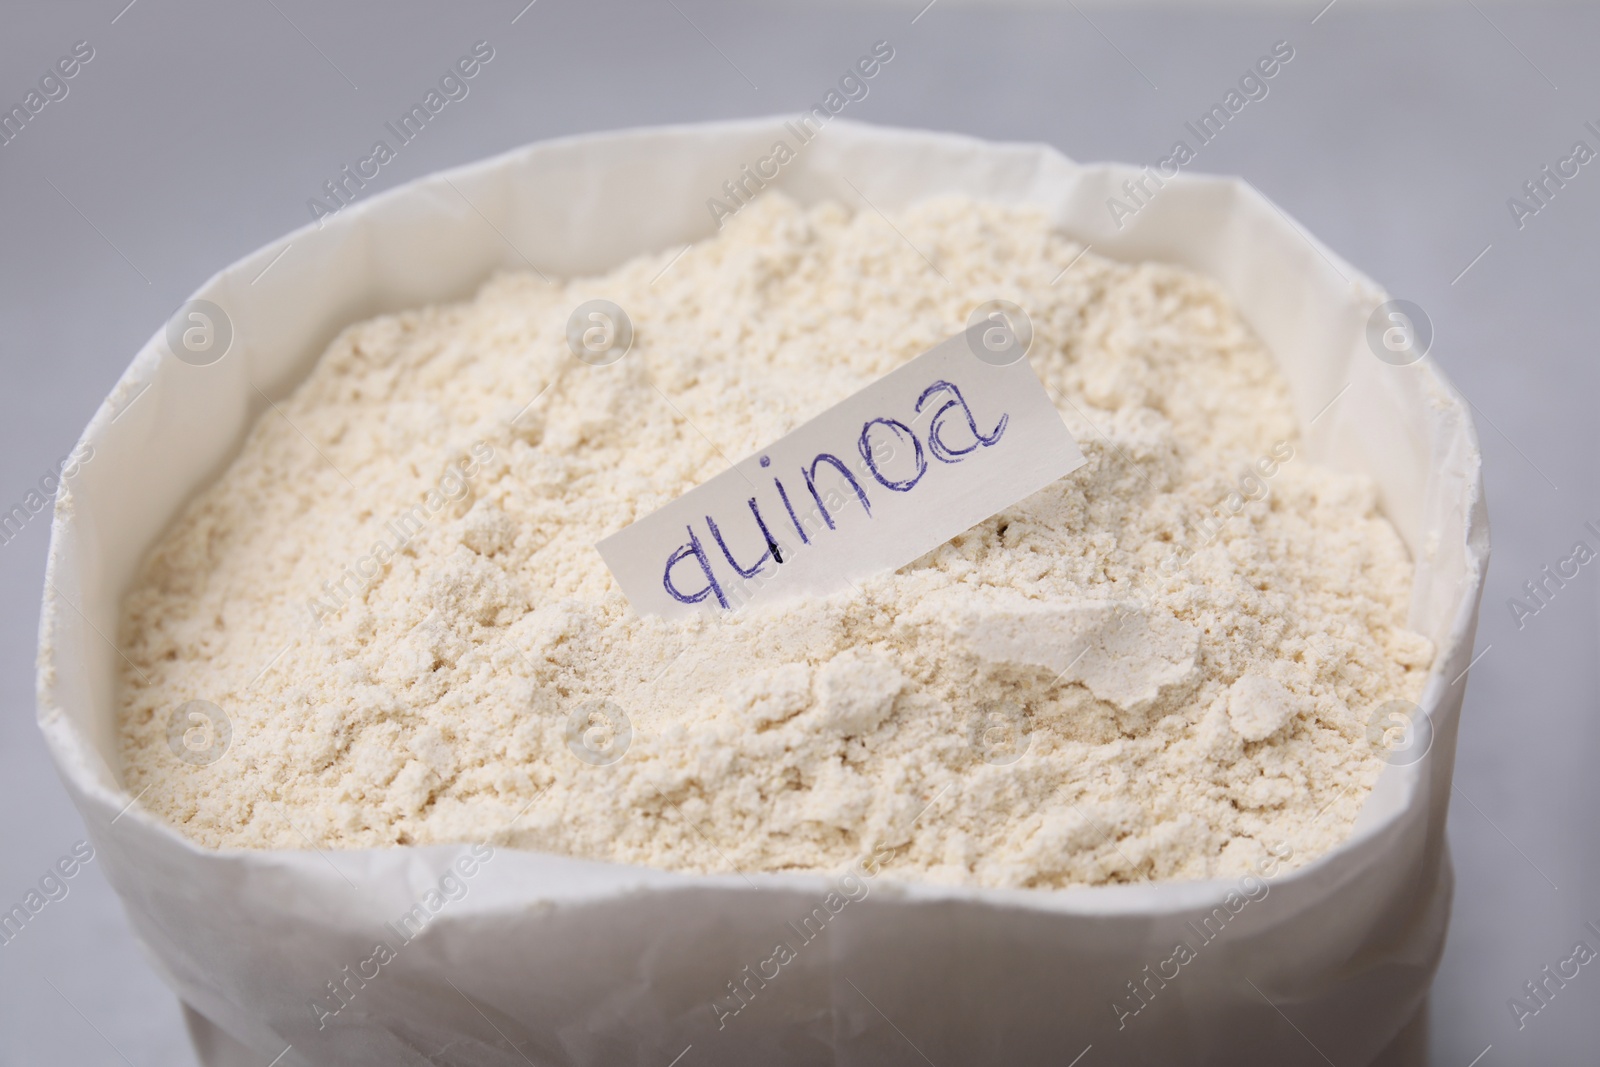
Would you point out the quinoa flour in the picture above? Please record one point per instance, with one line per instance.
(1156, 668)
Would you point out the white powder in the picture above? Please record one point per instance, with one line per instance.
(1114, 680)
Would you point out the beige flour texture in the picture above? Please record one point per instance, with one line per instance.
(1155, 668)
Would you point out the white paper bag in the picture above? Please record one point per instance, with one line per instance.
(550, 960)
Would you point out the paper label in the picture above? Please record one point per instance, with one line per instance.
(920, 455)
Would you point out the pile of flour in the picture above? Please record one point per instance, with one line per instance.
(1156, 668)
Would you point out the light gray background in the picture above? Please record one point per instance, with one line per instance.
(197, 133)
